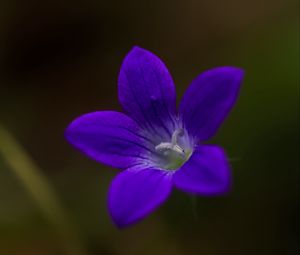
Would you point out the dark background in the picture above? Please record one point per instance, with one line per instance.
(60, 59)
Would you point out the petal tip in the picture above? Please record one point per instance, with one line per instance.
(118, 223)
(137, 49)
(122, 223)
(233, 71)
(68, 132)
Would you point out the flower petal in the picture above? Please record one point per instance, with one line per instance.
(108, 137)
(209, 99)
(206, 173)
(134, 194)
(146, 91)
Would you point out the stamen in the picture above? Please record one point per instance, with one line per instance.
(166, 147)
(177, 132)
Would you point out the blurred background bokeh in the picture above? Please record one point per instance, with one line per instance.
(61, 58)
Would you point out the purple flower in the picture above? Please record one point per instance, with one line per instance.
(157, 146)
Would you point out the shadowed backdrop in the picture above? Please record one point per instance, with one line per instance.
(60, 59)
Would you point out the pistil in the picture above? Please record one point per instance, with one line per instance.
(168, 147)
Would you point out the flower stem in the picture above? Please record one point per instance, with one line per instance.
(40, 190)
(194, 207)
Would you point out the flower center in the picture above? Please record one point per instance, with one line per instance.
(174, 155)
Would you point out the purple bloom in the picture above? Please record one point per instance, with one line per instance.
(156, 145)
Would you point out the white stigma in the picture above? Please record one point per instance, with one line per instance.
(166, 148)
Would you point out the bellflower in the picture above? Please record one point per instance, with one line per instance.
(156, 145)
